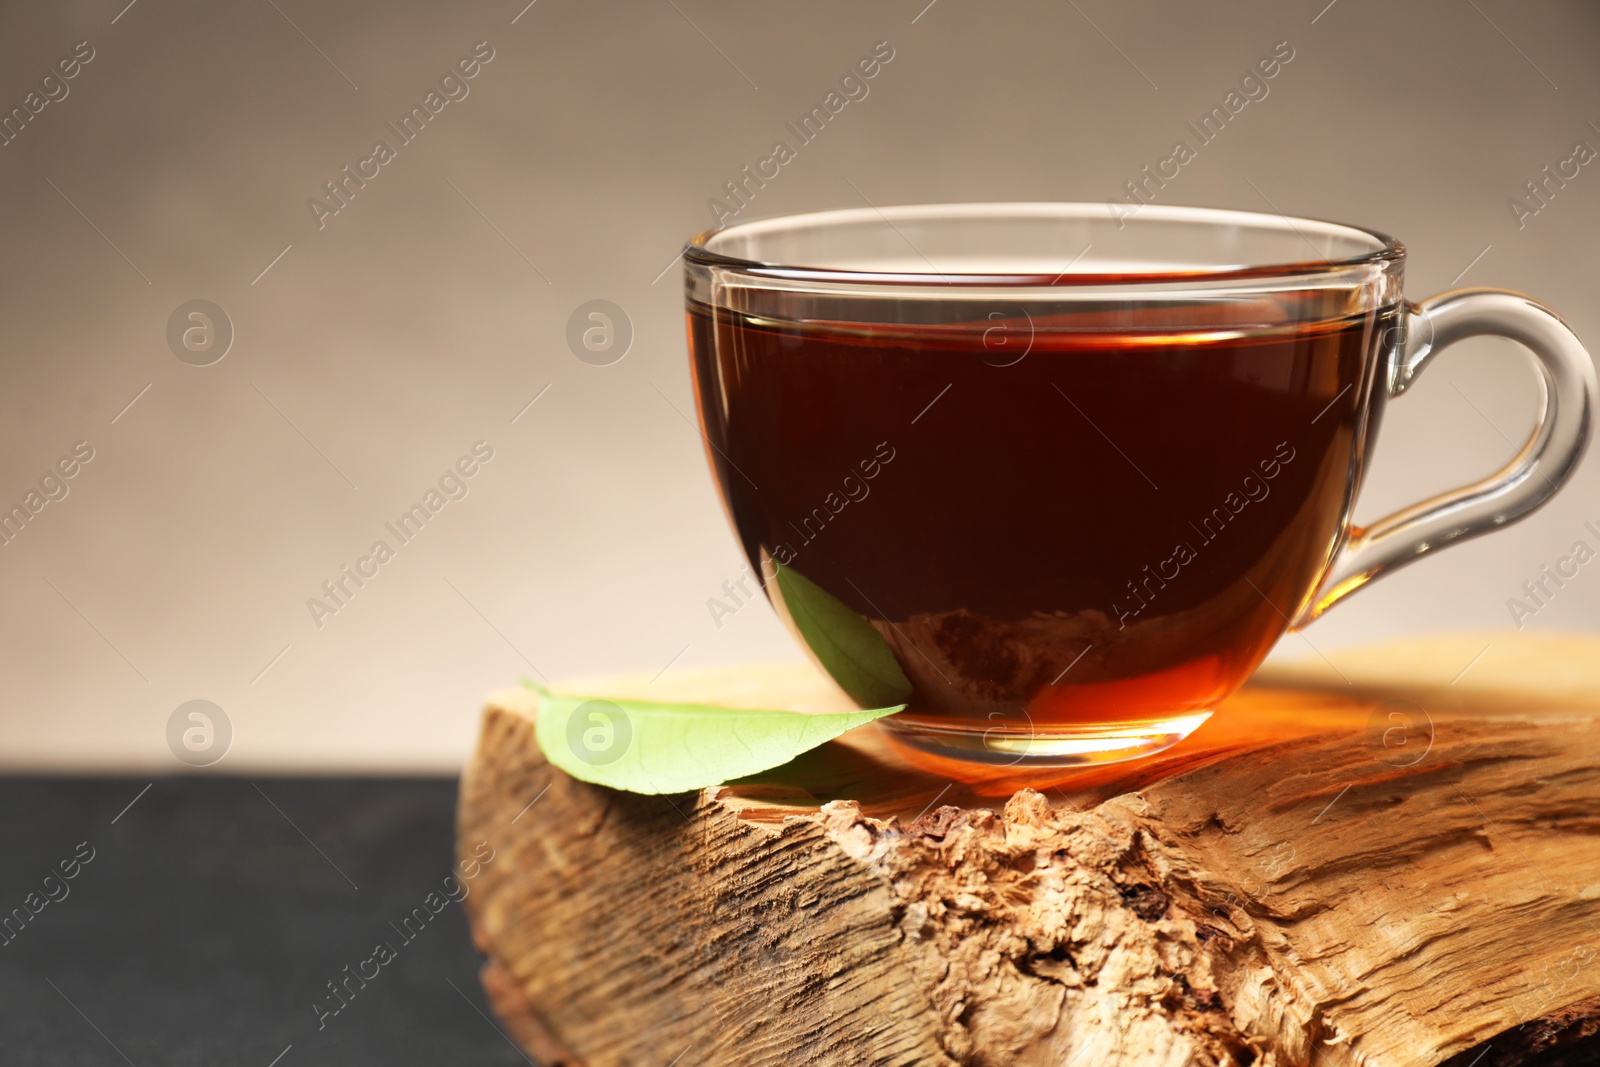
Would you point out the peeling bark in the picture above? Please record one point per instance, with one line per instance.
(1285, 888)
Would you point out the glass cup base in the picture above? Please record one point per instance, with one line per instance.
(1088, 745)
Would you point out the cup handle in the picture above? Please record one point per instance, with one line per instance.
(1567, 395)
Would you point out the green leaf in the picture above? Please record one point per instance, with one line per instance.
(647, 747)
(847, 646)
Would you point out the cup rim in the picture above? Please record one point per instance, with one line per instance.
(698, 252)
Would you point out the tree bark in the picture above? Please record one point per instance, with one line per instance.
(1389, 858)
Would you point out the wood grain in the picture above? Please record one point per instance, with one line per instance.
(1309, 879)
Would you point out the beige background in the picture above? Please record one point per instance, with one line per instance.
(434, 307)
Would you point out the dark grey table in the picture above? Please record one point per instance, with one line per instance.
(213, 915)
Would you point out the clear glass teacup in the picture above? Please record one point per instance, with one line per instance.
(1057, 479)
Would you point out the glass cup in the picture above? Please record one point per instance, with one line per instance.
(1057, 479)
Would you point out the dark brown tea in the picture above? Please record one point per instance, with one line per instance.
(1101, 515)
